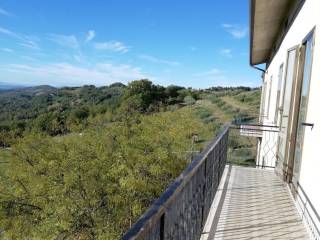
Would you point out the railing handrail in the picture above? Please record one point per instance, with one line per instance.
(155, 212)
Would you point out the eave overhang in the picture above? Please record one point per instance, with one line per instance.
(269, 19)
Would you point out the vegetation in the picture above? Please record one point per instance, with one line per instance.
(86, 162)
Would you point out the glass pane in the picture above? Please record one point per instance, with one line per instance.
(302, 109)
(269, 98)
(278, 94)
(283, 134)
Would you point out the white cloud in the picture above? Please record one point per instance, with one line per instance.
(235, 30)
(210, 73)
(30, 44)
(25, 41)
(90, 35)
(113, 46)
(121, 72)
(193, 48)
(5, 13)
(159, 60)
(8, 50)
(28, 58)
(65, 74)
(69, 41)
(8, 32)
(212, 77)
(226, 25)
(78, 58)
(226, 52)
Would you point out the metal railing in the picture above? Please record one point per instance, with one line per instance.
(182, 210)
(246, 147)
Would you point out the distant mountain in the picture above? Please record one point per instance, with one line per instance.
(27, 103)
(6, 86)
(27, 91)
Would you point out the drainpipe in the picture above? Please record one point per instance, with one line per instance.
(262, 95)
(257, 68)
(258, 153)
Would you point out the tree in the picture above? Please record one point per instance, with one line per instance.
(144, 96)
(173, 90)
(53, 123)
(93, 186)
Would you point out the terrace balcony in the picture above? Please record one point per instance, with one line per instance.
(213, 199)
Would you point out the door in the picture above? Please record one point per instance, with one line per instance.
(303, 106)
(284, 112)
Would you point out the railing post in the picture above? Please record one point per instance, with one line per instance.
(204, 193)
(162, 230)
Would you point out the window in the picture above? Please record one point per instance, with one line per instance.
(280, 75)
(306, 52)
(285, 113)
(269, 98)
(263, 101)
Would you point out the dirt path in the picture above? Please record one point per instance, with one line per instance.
(216, 111)
(235, 103)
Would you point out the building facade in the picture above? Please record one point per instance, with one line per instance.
(285, 37)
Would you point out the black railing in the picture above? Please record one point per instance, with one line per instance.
(182, 210)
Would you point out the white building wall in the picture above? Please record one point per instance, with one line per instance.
(269, 139)
(308, 18)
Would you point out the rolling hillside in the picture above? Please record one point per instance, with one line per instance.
(86, 162)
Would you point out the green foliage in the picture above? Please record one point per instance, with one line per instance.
(241, 149)
(81, 113)
(143, 95)
(188, 100)
(93, 186)
(172, 91)
(203, 113)
(56, 111)
(86, 162)
(6, 138)
(183, 93)
(52, 123)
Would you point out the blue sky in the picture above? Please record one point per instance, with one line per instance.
(192, 43)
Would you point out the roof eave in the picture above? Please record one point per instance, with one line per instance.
(251, 19)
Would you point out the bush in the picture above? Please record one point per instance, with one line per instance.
(188, 100)
(81, 113)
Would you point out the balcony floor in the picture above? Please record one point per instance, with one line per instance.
(253, 204)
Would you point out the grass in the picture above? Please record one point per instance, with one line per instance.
(226, 107)
(4, 156)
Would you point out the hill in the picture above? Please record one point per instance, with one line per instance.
(86, 162)
(7, 86)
